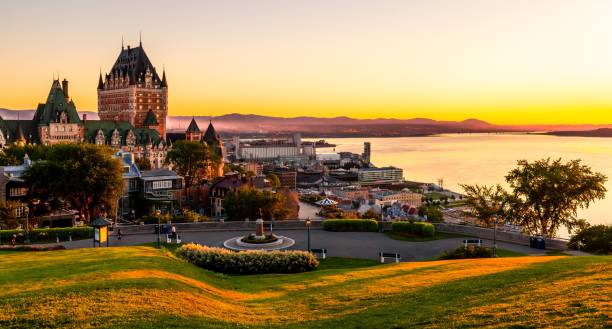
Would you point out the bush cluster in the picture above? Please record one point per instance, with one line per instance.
(415, 228)
(350, 225)
(596, 239)
(43, 235)
(247, 262)
(469, 252)
(187, 216)
(32, 248)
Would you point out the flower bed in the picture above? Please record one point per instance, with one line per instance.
(350, 225)
(247, 262)
(252, 239)
(414, 228)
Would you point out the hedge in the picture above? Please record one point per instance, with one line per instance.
(43, 235)
(416, 228)
(32, 248)
(350, 225)
(469, 252)
(247, 262)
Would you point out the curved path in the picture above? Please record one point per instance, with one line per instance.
(341, 244)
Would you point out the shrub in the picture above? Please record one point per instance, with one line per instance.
(596, 239)
(42, 235)
(350, 225)
(32, 248)
(416, 228)
(247, 262)
(469, 252)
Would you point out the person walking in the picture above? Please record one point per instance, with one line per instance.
(119, 234)
(174, 232)
(13, 240)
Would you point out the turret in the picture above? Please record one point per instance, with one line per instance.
(100, 82)
(65, 88)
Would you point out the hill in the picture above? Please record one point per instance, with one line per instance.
(601, 132)
(141, 287)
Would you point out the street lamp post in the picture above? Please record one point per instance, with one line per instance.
(158, 231)
(495, 236)
(308, 228)
(27, 226)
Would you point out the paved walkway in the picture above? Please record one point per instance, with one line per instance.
(341, 244)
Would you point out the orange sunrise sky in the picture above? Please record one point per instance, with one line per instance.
(506, 62)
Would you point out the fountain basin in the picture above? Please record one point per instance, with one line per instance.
(237, 244)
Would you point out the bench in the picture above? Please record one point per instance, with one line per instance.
(320, 251)
(389, 255)
(169, 237)
(472, 242)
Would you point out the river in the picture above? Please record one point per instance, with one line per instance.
(485, 159)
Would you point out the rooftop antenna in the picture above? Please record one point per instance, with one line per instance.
(121, 42)
(140, 38)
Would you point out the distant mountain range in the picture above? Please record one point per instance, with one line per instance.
(259, 125)
(601, 132)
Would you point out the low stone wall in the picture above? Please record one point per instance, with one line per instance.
(487, 233)
(223, 226)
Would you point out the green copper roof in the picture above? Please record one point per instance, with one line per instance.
(193, 127)
(56, 105)
(150, 119)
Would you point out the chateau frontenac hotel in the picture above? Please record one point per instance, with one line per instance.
(132, 106)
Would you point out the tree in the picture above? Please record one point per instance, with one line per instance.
(596, 239)
(85, 175)
(547, 194)
(433, 213)
(486, 202)
(8, 216)
(274, 180)
(143, 164)
(370, 214)
(245, 203)
(190, 159)
(14, 154)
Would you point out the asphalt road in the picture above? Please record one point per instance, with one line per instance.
(342, 244)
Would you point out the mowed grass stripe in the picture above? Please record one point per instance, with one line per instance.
(171, 290)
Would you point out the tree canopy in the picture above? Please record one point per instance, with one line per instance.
(544, 195)
(85, 175)
(191, 159)
(246, 202)
(486, 202)
(547, 194)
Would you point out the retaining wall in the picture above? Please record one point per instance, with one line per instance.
(487, 233)
(223, 226)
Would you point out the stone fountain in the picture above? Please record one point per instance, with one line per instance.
(259, 240)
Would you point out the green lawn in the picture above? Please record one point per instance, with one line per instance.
(143, 287)
(437, 236)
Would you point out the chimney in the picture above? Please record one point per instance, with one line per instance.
(65, 88)
(84, 118)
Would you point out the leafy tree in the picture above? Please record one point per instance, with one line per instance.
(596, 239)
(486, 202)
(229, 167)
(433, 213)
(246, 203)
(143, 164)
(370, 214)
(85, 175)
(547, 194)
(14, 154)
(8, 218)
(274, 180)
(190, 159)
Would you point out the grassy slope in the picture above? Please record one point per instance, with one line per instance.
(141, 287)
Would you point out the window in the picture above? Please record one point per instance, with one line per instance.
(19, 212)
(18, 191)
(162, 184)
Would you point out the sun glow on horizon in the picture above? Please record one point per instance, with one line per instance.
(521, 62)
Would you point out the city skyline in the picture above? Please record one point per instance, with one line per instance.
(520, 63)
